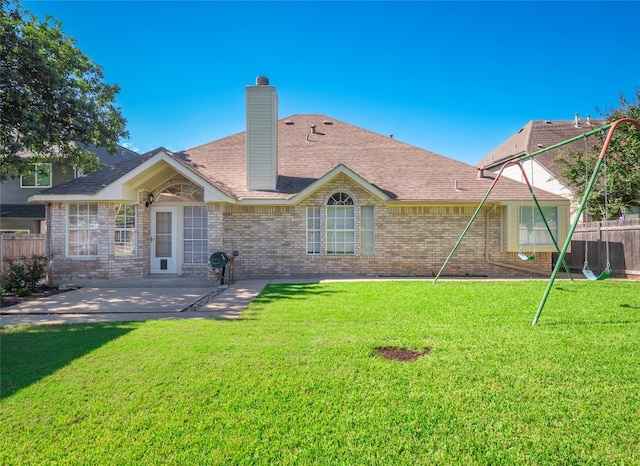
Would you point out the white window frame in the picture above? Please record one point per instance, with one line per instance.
(340, 225)
(127, 247)
(83, 225)
(34, 172)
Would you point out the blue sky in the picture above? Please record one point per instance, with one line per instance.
(456, 78)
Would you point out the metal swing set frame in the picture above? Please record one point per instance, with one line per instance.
(561, 252)
(521, 255)
(599, 162)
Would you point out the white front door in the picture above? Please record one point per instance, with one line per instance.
(164, 239)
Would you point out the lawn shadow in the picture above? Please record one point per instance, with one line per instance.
(29, 355)
(276, 292)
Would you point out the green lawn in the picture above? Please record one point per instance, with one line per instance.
(296, 380)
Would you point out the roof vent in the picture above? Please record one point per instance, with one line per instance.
(262, 81)
(327, 122)
(576, 121)
(288, 122)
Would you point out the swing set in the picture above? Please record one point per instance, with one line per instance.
(534, 201)
(586, 271)
(600, 161)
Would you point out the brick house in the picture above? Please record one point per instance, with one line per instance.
(305, 195)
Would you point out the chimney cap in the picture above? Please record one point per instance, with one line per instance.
(262, 81)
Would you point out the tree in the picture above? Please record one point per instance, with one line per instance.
(53, 101)
(622, 187)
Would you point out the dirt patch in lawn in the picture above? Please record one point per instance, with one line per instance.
(401, 354)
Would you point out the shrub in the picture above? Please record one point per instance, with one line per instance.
(25, 273)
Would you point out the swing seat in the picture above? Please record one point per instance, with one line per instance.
(588, 273)
(524, 257)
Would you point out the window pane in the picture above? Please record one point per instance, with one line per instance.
(340, 224)
(44, 175)
(195, 235)
(125, 229)
(366, 231)
(82, 230)
(29, 180)
(314, 237)
(532, 229)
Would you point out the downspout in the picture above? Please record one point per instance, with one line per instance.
(487, 257)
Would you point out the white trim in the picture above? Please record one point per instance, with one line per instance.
(119, 191)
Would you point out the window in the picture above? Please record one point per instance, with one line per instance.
(125, 230)
(341, 225)
(82, 225)
(40, 176)
(532, 229)
(195, 235)
(366, 230)
(314, 232)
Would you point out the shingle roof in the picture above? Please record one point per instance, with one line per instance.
(94, 182)
(535, 136)
(403, 171)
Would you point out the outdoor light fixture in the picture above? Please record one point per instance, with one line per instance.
(150, 201)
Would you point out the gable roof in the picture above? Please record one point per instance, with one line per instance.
(535, 136)
(402, 171)
(307, 157)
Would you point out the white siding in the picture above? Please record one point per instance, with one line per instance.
(262, 137)
(540, 178)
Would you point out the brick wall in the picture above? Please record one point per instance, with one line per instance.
(271, 241)
(105, 265)
(409, 241)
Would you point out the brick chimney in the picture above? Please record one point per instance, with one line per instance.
(262, 136)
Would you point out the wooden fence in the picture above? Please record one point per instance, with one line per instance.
(623, 238)
(15, 246)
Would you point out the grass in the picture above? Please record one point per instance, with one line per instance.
(296, 380)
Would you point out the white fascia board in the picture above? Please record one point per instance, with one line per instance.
(118, 190)
(45, 198)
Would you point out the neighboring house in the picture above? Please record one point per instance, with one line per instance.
(306, 195)
(17, 215)
(543, 170)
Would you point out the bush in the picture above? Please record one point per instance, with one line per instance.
(25, 273)
(24, 292)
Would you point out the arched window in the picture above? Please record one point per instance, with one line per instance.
(181, 192)
(341, 224)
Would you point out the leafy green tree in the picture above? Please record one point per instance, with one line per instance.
(53, 101)
(622, 188)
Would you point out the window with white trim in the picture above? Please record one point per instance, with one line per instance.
(367, 230)
(314, 230)
(195, 235)
(532, 229)
(82, 229)
(341, 224)
(125, 230)
(40, 176)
